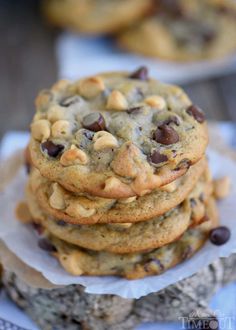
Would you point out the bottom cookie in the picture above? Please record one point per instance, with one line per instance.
(78, 261)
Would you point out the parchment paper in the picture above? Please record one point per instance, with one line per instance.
(21, 240)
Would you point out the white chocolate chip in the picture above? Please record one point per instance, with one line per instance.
(91, 87)
(61, 129)
(77, 210)
(221, 187)
(117, 101)
(56, 200)
(41, 130)
(156, 101)
(55, 113)
(104, 140)
(74, 156)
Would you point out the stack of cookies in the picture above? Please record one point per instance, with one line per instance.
(119, 183)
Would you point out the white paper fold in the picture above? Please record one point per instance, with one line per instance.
(21, 240)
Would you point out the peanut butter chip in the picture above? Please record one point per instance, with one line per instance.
(61, 129)
(23, 213)
(91, 87)
(117, 101)
(41, 130)
(56, 200)
(73, 156)
(104, 140)
(156, 101)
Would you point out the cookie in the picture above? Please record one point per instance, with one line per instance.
(128, 237)
(116, 135)
(78, 261)
(183, 30)
(95, 16)
(77, 209)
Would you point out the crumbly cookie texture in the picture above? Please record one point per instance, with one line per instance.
(116, 135)
(136, 265)
(185, 30)
(87, 209)
(128, 237)
(95, 16)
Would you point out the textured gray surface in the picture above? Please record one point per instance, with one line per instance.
(71, 308)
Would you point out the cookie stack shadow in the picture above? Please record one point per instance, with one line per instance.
(118, 179)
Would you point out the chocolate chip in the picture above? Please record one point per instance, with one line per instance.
(38, 228)
(61, 223)
(69, 101)
(94, 122)
(171, 120)
(165, 134)
(141, 73)
(46, 245)
(220, 235)
(52, 149)
(193, 202)
(196, 113)
(27, 167)
(134, 110)
(156, 157)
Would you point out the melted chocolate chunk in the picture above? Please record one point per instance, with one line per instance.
(134, 110)
(165, 134)
(46, 245)
(156, 157)
(196, 113)
(220, 235)
(69, 101)
(94, 122)
(141, 74)
(38, 228)
(52, 149)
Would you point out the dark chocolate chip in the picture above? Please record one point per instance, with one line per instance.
(165, 134)
(156, 157)
(196, 113)
(61, 223)
(220, 235)
(193, 202)
(171, 120)
(27, 167)
(94, 122)
(52, 149)
(46, 245)
(134, 109)
(69, 101)
(38, 228)
(141, 73)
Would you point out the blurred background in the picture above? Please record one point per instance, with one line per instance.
(33, 55)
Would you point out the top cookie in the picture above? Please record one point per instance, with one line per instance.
(185, 30)
(116, 135)
(95, 16)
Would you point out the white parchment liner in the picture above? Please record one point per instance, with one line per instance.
(21, 240)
